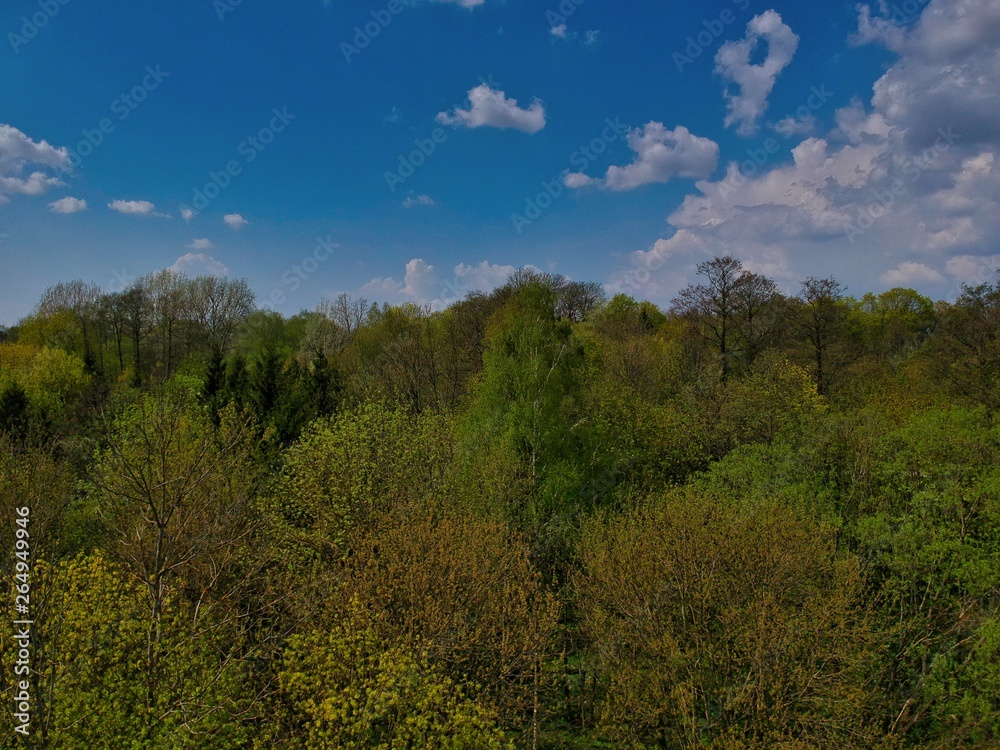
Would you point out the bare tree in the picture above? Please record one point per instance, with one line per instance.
(138, 318)
(969, 346)
(714, 305)
(756, 297)
(336, 324)
(219, 305)
(818, 315)
(79, 298)
(168, 296)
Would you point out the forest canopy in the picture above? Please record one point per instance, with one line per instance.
(539, 518)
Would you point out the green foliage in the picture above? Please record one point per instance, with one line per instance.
(40, 386)
(350, 472)
(537, 518)
(526, 401)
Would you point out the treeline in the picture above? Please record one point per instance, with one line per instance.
(539, 518)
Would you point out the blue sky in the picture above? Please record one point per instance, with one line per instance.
(808, 139)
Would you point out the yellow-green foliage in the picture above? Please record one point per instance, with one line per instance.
(350, 689)
(713, 624)
(51, 378)
(353, 470)
(91, 685)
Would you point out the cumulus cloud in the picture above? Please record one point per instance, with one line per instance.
(198, 264)
(187, 213)
(905, 190)
(135, 208)
(973, 269)
(68, 205)
(490, 107)
(235, 221)
(754, 83)
(36, 183)
(661, 155)
(412, 201)
(423, 285)
(202, 244)
(559, 31)
(909, 274)
(950, 62)
(17, 152)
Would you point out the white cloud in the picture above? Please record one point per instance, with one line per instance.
(35, 184)
(791, 126)
(17, 151)
(904, 190)
(484, 277)
(491, 108)
(909, 274)
(202, 244)
(135, 208)
(198, 264)
(235, 221)
(973, 269)
(423, 285)
(755, 82)
(877, 30)
(187, 213)
(661, 155)
(561, 31)
(412, 201)
(578, 180)
(68, 205)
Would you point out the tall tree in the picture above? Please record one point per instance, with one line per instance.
(175, 497)
(82, 300)
(818, 315)
(167, 298)
(219, 306)
(138, 317)
(729, 309)
(969, 345)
